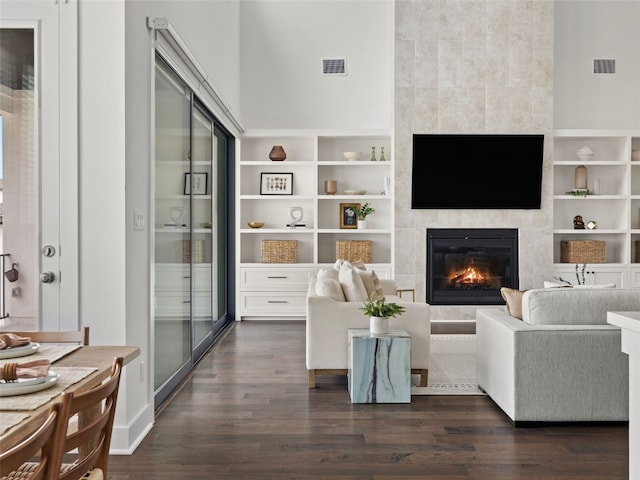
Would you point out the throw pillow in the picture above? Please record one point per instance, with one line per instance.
(328, 287)
(351, 283)
(513, 298)
(556, 285)
(371, 282)
(327, 273)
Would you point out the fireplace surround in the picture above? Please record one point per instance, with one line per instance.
(468, 266)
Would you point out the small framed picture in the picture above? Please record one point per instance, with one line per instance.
(348, 217)
(276, 183)
(195, 183)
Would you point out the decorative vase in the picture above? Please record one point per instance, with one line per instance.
(277, 153)
(387, 186)
(373, 154)
(330, 187)
(379, 324)
(362, 224)
(580, 180)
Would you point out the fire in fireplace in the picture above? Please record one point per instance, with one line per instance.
(468, 266)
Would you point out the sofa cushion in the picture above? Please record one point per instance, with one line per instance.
(566, 285)
(351, 283)
(327, 273)
(329, 287)
(372, 283)
(513, 297)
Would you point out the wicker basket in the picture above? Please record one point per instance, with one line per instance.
(279, 251)
(183, 251)
(354, 250)
(583, 251)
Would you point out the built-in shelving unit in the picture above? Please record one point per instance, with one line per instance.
(613, 202)
(273, 289)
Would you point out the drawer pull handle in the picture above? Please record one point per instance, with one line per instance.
(277, 301)
(186, 301)
(277, 277)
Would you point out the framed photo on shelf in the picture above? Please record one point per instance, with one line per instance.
(348, 218)
(276, 183)
(195, 183)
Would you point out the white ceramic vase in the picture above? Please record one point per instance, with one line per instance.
(362, 224)
(379, 324)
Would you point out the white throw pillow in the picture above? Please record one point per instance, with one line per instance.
(351, 283)
(330, 288)
(556, 285)
(327, 273)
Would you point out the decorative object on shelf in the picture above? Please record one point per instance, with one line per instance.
(330, 187)
(205, 224)
(348, 217)
(184, 253)
(584, 154)
(379, 311)
(580, 178)
(276, 183)
(382, 159)
(352, 156)
(362, 212)
(277, 153)
(354, 250)
(579, 192)
(355, 192)
(373, 154)
(583, 251)
(176, 214)
(196, 183)
(578, 223)
(387, 186)
(296, 214)
(255, 224)
(635, 155)
(597, 186)
(592, 225)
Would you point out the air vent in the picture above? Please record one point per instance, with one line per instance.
(334, 66)
(604, 65)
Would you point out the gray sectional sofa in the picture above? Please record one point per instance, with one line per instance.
(561, 361)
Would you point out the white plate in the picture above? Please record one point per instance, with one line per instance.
(355, 192)
(23, 382)
(22, 351)
(15, 388)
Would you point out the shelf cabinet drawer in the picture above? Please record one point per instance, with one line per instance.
(273, 303)
(175, 278)
(178, 304)
(275, 279)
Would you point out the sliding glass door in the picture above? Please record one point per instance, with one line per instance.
(191, 230)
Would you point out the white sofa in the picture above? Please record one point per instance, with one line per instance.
(561, 361)
(328, 321)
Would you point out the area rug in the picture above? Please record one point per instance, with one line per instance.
(453, 366)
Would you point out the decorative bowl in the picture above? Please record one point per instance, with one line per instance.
(206, 225)
(584, 153)
(355, 192)
(352, 155)
(255, 224)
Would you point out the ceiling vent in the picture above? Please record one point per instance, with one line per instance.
(334, 66)
(604, 65)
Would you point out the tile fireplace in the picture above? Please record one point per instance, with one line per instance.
(467, 266)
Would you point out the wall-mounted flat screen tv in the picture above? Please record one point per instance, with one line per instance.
(477, 171)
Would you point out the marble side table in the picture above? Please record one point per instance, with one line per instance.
(379, 366)
(629, 322)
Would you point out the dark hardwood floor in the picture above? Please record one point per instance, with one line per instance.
(246, 413)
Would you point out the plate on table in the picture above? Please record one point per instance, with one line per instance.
(18, 388)
(21, 351)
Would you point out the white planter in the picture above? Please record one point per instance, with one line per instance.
(379, 324)
(362, 224)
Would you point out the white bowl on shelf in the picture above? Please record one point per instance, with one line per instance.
(584, 154)
(352, 155)
(355, 192)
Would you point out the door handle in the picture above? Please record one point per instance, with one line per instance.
(47, 277)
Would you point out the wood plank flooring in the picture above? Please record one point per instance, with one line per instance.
(246, 413)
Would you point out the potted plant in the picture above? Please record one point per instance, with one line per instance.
(379, 311)
(362, 213)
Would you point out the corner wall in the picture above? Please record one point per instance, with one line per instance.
(479, 67)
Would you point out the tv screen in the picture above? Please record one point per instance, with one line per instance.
(477, 171)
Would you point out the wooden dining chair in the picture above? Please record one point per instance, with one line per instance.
(18, 462)
(73, 336)
(84, 452)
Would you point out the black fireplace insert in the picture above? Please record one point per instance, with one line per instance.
(468, 266)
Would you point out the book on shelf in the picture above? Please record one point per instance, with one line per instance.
(296, 225)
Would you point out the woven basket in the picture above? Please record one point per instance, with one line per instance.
(583, 251)
(279, 251)
(354, 250)
(183, 251)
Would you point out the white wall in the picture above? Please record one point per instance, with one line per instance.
(584, 31)
(282, 46)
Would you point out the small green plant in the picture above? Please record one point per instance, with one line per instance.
(363, 211)
(377, 306)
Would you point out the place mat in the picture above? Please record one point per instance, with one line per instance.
(31, 401)
(47, 351)
(9, 419)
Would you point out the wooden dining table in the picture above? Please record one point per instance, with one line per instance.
(100, 358)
